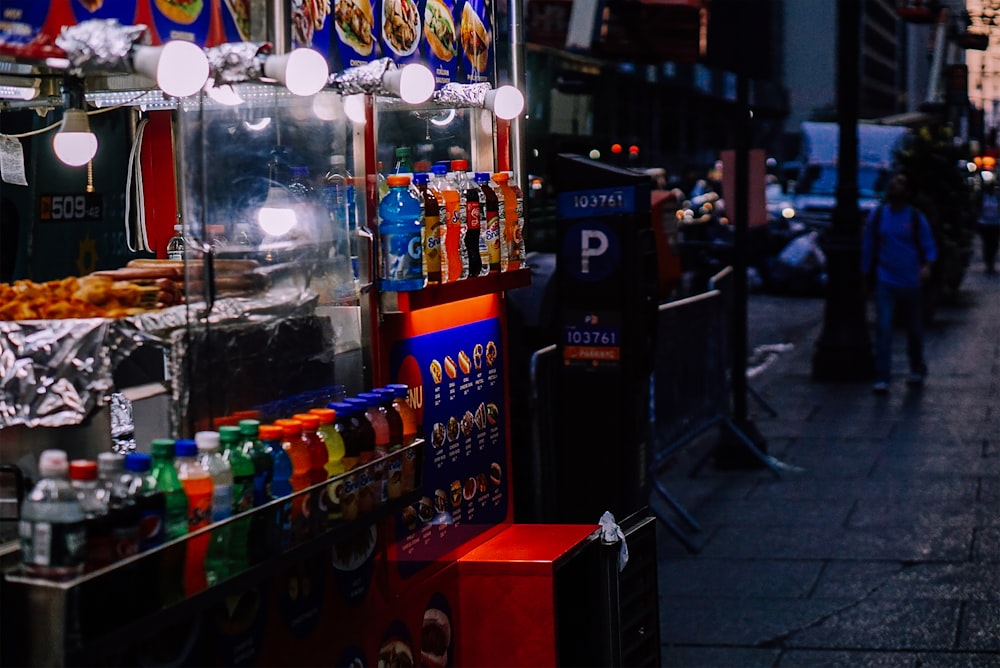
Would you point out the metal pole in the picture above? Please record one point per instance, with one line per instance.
(843, 351)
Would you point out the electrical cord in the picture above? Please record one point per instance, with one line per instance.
(133, 187)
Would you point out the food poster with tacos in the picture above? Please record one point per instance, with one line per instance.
(354, 32)
(474, 20)
(460, 375)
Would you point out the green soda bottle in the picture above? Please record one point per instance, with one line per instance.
(243, 478)
(167, 482)
(263, 470)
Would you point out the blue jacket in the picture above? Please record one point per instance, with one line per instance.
(899, 261)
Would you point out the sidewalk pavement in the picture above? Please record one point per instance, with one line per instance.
(880, 544)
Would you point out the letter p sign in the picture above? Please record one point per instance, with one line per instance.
(593, 243)
(590, 251)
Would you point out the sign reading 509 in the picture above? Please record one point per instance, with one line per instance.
(70, 207)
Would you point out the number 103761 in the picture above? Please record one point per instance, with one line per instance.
(609, 200)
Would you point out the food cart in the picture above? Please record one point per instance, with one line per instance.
(269, 170)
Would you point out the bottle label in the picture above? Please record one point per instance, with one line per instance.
(402, 256)
(242, 494)
(222, 502)
(492, 239)
(472, 215)
(432, 243)
(53, 545)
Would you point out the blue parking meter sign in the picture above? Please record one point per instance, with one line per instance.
(591, 251)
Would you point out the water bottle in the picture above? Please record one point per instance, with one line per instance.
(216, 559)
(401, 237)
(100, 544)
(339, 197)
(52, 527)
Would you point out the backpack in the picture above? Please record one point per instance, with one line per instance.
(877, 223)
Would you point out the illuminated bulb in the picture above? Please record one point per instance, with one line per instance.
(354, 108)
(506, 102)
(303, 71)
(74, 143)
(276, 217)
(788, 212)
(412, 83)
(180, 68)
(595, 154)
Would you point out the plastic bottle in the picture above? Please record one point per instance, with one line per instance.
(176, 244)
(365, 430)
(271, 435)
(210, 458)
(489, 246)
(508, 219)
(310, 215)
(401, 237)
(243, 477)
(394, 467)
(198, 486)
(517, 249)
(279, 534)
(471, 204)
(298, 452)
(99, 549)
(345, 426)
(451, 223)
(165, 480)
(404, 164)
(331, 439)
(123, 521)
(381, 183)
(432, 228)
(137, 494)
(263, 465)
(318, 455)
(406, 412)
(380, 424)
(52, 527)
(339, 198)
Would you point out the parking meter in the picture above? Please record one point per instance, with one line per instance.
(606, 300)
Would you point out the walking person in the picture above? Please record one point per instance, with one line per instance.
(897, 251)
(989, 227)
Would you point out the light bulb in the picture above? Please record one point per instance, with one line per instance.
(180, 68)
(74, 143)
(412, 83)
(277, 217)
(354, 108)
(506, 102)
(303, 71)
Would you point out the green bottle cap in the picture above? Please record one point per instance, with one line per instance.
(249, 427)
(229, 434)
(162, 447)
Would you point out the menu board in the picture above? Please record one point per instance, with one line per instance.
(460, 374)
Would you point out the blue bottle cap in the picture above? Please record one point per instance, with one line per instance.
(401, 389)
(421, 178)
(439, 169)
(139, 462)
(373, 398)
(482, 177)
(343, 408)
(185, 447)
(385, 393)
(360, 405)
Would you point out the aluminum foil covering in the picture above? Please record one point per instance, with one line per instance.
(462, 95)
(363, 78)
(237, 62)
(54, 373)
(100, 45)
